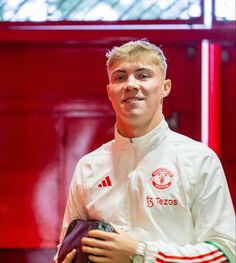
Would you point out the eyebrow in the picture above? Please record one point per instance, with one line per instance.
(118, 71)
(124, 71)
(143, 69)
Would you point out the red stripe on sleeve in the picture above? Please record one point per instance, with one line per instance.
(202, 258)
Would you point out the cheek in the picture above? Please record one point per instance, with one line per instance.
(153, 87)
(114, 93)
(153, 92)
(114, 98)
(154, 97)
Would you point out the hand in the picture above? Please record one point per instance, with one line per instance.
(107, 247)
(69, 257)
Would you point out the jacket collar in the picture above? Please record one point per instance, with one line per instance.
(149, 140)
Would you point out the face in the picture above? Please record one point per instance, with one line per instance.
(136, 91)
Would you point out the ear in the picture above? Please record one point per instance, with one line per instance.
(108, 92)
(166, 88)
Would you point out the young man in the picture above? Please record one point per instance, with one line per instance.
(168, 198)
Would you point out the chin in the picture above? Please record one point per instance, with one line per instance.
(133, 114)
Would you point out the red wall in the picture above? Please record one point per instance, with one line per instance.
(228, 116)
(53, 110)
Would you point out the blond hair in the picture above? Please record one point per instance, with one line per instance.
(137, 49)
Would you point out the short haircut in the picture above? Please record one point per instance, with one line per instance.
(137, 49)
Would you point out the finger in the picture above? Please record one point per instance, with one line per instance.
(94, 251)
(69, 256)
(101, 234)
(93, 242)
(98, 259)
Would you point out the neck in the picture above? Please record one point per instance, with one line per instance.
(132, 130)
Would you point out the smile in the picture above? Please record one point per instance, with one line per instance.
(132, 99)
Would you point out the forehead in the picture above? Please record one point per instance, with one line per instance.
(126, 65)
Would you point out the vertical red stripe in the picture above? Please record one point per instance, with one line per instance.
(214, 98)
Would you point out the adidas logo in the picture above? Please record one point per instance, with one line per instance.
(105, 182)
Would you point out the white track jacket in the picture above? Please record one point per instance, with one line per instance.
(162, 188)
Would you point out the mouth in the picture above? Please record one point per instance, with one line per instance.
(128, 100)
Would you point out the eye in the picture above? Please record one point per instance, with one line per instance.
(143, 76)
(118, 78)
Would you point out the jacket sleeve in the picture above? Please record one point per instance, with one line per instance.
(214, 220)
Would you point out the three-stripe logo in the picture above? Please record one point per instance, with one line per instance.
(105, 182)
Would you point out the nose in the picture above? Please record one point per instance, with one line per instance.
(131, 83)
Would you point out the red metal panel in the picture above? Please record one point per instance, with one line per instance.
(228, 115)
(184, 69)
(29, 191)
(41, 143)
(52, 72)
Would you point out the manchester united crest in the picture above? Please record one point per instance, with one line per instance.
(162, 179)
